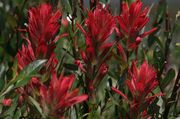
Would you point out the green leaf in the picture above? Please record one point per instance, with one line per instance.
(17, 114)
(154, 39)
(8, 89)
(66, 6)
(3, 70)
(158, 56)
(154, 109)
(176, 54)
(169, 77)
(161, 11)
(94, 114)
(70, 66)
(11, 21)
(36, 104)
(1, 106)
(26, 74)
(122, 78)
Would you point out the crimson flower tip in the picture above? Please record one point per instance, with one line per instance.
(59, 95)
(119, 93)
(7, 102)
(132, 20)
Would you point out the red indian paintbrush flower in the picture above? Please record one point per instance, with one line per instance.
(131, 20)
(143, 82)
(42, 27)
(40, 44)
(58, 96)
(100, 25)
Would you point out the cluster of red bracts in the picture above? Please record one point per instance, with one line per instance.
(40, 44)
(100, 25)
(131, 20)
(143, 81)
(57, 97)
(42, 27)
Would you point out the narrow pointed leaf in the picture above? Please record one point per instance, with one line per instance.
(169, 77)
(26, 74)
(36, 104)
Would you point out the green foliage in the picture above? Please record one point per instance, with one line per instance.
(168, 78)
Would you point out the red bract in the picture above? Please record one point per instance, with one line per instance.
(131, 20)
(58, 96)
(65, 22)
(100, 26)
(143, 82)
(7, 102)
(121, 52)
(25, 55)
(43, 25)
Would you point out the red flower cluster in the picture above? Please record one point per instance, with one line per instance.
(42, 28)
(100, 24)
(58, 96)
(131, 21)
(143, 82)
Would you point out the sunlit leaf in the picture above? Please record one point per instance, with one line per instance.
(36, 104)
(26, 74)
